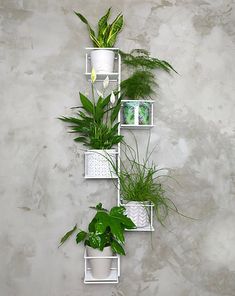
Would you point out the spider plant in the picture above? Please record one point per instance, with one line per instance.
(107, 33)
(140, 181)
(105, 229)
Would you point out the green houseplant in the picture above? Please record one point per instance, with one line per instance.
(102, 59)
(104, 237)
(96, 126)
(139, 87)
(141, 188)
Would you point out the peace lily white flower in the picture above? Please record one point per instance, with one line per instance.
(112, 98)
(99, 94)
(93, 75)
(106, 82)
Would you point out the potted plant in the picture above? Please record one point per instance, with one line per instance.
(96, 125)
(141, 189)
(139, 87)
(104, 237)
(102, 58)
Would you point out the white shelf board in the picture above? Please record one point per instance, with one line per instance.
(100, 48)
(111, 279)
(101, 76)
(147, 228)
(134, 126)
(97, 177)
(141, 101)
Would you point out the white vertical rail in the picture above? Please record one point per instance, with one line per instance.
(119, 128)
(85, 275)
(118, 265)
(86, 62)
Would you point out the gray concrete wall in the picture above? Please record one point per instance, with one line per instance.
(43, 192)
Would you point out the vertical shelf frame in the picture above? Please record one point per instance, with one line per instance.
(119, 128)
(113, 278)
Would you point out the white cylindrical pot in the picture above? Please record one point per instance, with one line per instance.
(99, 163)
(138, 213)
(102, 60)
(100, 267)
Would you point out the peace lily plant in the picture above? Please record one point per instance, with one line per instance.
(104, 237)
(96, 126)
(102, 59)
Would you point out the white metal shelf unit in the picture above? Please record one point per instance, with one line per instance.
(113, 77)
(114, 275)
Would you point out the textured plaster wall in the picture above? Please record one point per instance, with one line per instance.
(43, 192)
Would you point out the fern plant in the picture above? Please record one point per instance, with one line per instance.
(141, 83)
(141, 59)
(107, 33)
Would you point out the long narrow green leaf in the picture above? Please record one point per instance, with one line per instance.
(81, 140)
(86, 103)
(91, 31)
(115, 28)
(115, 111)
(67, 235)
(102, 26)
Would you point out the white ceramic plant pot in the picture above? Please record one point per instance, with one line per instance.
(102, 60)
(100, 267)
(136, 112)
(138, 213)
(99, 163)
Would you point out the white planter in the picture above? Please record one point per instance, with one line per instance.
(99, 163)
(137, 112)
(102, 60)
(100, 267)
(139, 213)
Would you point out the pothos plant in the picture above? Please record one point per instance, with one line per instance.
(107, 33)
(105, 229)
(95, 122)
(141, 83)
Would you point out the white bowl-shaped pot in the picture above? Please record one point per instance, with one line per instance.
(102, 60)
(139, 213)
(99, 163)
(100, 267)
